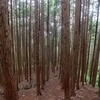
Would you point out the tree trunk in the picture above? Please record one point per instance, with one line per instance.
(66, 48)
(75, 46)
(30, 41)
(9, 81)
(92, 60)
(48, 43)
(26, 65)
(37, 48)
(42, 44)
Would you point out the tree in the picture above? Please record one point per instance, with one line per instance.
(30, 34)
(26, 65)
(9, 81)
(94, 49)
(75, 46)
(42, 44)
(48, 42)
(23, 36)
(62, 53)
(37, 48)
(66, 48)
(55, 35)
(12, 37)
(96, 56)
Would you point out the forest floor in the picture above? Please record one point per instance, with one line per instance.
(53, 91)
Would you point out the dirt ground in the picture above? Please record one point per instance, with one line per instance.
(53, 91)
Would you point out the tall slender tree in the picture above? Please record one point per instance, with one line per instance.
(55, 35)
(42, 44)
(26, 65)
(30, 34)
(48, 42)
(37, 48)
(75, 46)
(96, 58)
(8, 75)
(66, 48)
(95, 41)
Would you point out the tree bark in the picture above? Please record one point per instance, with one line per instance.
(75, 46)
(42, 44)
(66, 48)
(37, 48)
(9, 81)
(48, 43)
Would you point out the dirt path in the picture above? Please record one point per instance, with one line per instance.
(52, 91)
